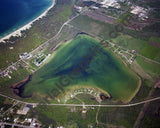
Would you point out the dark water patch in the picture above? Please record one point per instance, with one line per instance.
(104, 97)
(18, 88)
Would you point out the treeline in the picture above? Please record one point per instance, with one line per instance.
(63, 1)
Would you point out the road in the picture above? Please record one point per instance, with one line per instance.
(10, 108)
(88, 105)
(14, 125)
(69, 20)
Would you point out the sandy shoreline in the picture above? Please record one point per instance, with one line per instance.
(27, 26)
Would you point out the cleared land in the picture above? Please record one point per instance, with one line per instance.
(98, 15)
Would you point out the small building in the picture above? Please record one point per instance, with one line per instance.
(78, 8)
(11, 48)
(15, 120)
(22, 55)
(140, 11)
(24, 111)
(110, 3)
(133, 51)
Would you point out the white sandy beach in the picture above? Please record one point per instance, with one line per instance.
(27, 26)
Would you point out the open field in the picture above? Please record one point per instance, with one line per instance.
(18, 75)
(151, 51)
(124, 117)
(130, 39)
(151, 68)
(129, 42)
(70, 117)
(98, 15)
(105, 72)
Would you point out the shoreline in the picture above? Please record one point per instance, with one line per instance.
(18, 33)
(17, 87)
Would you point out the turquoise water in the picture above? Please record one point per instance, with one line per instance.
(16, 13)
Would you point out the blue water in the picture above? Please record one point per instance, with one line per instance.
(16, 13)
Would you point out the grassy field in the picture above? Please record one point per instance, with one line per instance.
(129, 42)
(119, 116)
(17, 76)
(151, 68)
(151, 52)
(69, 117)
(105, 71)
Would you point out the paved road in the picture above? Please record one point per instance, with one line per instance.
(121, 105)
(18, 125)
(10, 108)
(109, 105)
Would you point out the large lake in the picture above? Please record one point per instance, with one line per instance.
(105, 72)
(16, 13)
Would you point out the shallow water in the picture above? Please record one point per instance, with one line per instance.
(105, 71)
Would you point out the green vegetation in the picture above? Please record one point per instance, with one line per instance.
(151, 52)
(129, 42)
(4, 104)
(155, 40)
(150, 67)
(95, 27)
(70, 117)
(102, 29)
(119, 116)
(83, 98)
(123, 17)
(17, 76)
(105, 71)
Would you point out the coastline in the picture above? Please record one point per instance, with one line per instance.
(27, 26)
